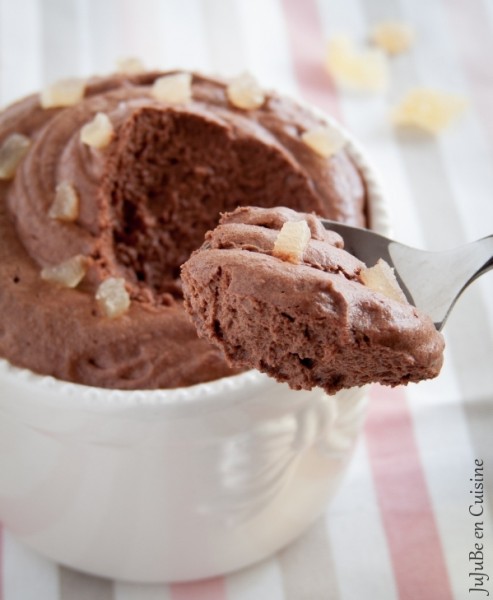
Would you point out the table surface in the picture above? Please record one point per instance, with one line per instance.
(399, 526)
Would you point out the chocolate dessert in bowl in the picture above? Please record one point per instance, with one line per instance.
(130, 449)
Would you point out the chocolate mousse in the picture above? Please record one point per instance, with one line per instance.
(108, 185)
(276, 291)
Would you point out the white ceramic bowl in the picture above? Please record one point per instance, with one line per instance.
(171, 485)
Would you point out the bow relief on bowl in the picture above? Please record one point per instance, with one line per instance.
(255, 466)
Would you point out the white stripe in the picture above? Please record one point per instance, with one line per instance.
(27, 575)
(232, 33)
(140, 31)
(262, 581)
(266, 44)
(465, 150)
(129, 591)
(347, 19)
(60, 50)
(20, 49)
(82, 23)
(464, 146)
(356, 533)
(99, 32)
(224, 37)
(488, 8)
(183, 34)
(367, 116)
(253, 36)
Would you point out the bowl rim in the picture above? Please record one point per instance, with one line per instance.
(219, 391)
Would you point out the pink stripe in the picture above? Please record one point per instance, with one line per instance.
(473, 36)
(406, 509)
(209, 589)
(309, 48)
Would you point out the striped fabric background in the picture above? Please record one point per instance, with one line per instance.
(399, 528)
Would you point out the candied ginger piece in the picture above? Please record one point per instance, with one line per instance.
(360, 70)
(65, 92)
(65, 207)
(381, 278)
(175, 88)
(68, 273)
(12, 151)
(291, 241)
(98, 133)
(393, 37)
(244, 92)
(112, 297)
(130, 65)
(428, 109)
(324, 140)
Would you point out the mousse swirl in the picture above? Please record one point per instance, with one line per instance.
(144, 203)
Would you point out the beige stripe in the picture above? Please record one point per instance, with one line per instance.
(467, 335)
(79, 586)
(472, 353)
(307, 567)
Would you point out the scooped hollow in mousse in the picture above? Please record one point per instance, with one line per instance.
(300, 308)
(107, 186)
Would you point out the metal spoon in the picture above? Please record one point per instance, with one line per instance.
(432, 281)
